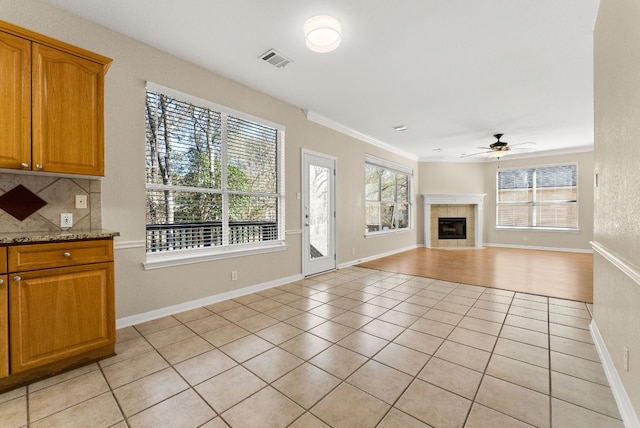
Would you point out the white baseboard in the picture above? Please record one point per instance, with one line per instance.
(181, 307)
(377, 256)
(623, 401)
(534, 247)
(193, 304)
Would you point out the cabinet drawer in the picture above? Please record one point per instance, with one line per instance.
(3, 259)
(60, 254)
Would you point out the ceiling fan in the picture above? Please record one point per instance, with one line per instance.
(496, 149)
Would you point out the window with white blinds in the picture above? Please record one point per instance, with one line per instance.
(543, 197)
(387, 196)
(214, 178)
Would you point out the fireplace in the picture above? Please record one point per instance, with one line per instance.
(453, 205)
(452, 228)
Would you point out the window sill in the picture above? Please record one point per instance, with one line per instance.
(387, 232)
(538, 229)
(185, 257)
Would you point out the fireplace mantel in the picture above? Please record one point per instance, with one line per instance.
(475, 199)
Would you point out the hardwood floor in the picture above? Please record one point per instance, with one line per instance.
(548, 273)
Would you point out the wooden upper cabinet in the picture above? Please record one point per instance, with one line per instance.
(67, 111)
(15, 101)
(51, 104)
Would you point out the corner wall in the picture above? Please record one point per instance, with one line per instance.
(617, 198)
(480, 177)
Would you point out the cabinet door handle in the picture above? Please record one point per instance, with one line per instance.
(38, 166)
(66, 254)
(24, 165)
(17, 278)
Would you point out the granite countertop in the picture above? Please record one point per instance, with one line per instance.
(71, 235)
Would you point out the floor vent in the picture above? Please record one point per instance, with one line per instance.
(274, 58)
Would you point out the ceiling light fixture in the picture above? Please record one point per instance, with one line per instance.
(323, 33)
(497, 154)
(400, 128)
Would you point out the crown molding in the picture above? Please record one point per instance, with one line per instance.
(336, 126)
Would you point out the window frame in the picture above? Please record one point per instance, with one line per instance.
(225, 250)
(385, 165)
(533, 204)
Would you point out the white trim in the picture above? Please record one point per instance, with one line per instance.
(534, 247)
(381, 233)
(201, 102)
(336, 126)
(625, 407)
(193, 304)
(511, 155)
(626, 267)
(186, 257)
(125, 245)
(537, 229)
(377, 256)
(305, 154)
(378, 161)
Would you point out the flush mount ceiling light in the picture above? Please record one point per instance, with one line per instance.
(323, 33)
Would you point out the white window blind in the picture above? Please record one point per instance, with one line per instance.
(541, 197)
(213, 178)
(387, 196)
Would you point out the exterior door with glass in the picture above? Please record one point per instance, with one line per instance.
(318, 213)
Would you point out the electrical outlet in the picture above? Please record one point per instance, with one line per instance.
(626, 358)
(81, 201)
(234, 275)
(353, 251)
(66, 220)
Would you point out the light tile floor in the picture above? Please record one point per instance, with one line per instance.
(353, 348)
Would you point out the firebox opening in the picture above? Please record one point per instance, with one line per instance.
(452, 228)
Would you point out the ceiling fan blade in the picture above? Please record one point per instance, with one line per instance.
(475, 154)
(522, 144)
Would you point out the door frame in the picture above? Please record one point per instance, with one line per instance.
(304, 198)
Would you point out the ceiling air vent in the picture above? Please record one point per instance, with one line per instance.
(274, 58)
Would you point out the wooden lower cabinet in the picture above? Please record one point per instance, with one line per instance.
(54, 318)
(60, 313)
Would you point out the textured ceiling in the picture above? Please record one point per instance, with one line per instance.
(454, 72)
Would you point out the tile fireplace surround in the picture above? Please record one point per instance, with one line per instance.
(475, 199)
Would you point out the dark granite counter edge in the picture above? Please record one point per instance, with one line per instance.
(38, 237)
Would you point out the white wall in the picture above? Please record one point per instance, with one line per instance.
(617, 199)
(123, 188)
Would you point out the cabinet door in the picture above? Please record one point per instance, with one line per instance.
(4, 326)
(15, 102)
(67, 113)
(58, 313)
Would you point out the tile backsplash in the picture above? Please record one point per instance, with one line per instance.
(59, 193)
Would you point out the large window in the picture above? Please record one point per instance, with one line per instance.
(542, 197)
(387, 195)
(213, 176)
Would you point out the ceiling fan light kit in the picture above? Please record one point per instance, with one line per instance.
(323, 33)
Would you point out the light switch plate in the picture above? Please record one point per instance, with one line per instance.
(66, 220)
